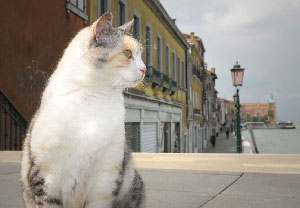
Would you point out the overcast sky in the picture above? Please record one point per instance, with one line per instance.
(263, 35)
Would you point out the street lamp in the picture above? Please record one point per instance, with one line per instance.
(234, 101)
(237, 74)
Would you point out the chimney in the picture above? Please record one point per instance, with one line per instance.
(193, 37)
(213, 69)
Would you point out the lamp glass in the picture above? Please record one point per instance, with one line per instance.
(237, 75)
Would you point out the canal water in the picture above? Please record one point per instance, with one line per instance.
(276, 141)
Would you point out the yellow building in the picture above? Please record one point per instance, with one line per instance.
(196, 69)
(156, 109)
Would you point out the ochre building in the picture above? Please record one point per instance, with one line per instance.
(261, 110)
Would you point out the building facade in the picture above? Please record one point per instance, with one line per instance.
(32, 41)
(257, 111)
(210, 96)
(225, 114)
(195, 89)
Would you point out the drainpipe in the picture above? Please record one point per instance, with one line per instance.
(186, 85)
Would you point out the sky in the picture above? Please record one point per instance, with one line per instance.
(262, 35)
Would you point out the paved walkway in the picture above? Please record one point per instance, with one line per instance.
(223, 145)
(194, 180)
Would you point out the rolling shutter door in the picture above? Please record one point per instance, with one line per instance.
(149, 138)
(132, 134)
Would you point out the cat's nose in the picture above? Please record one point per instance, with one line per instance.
(143, 70)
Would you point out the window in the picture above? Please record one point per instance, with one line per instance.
(122, 13)
(173, 66)
(178, 71)
(167, 61)
(148, 46)
(79, 4)
(159, 53)
(136, 27)
(103, 6)
(194, 98)
(183, 75)
(78, 7)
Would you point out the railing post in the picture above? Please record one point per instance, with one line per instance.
(5, 129)
(20, 137)
(16, 136)
(0, 122)
(16, 120)
(10, 133)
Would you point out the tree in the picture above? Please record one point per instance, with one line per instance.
(264, 118)
(271, 114)
(255, 119)
(249, 118)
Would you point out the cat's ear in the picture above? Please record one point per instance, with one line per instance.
(102, 27)
(127, 26)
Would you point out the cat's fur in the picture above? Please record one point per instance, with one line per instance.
(75, 154)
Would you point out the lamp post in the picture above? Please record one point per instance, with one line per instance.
(234, 100)
(237, 74)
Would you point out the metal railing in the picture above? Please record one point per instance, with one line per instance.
(12, 125)
(197, 73)
(166, 82)
(173, 87)
(153, 76)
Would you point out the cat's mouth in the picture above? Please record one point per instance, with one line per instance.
(141, 79)
(137, 80)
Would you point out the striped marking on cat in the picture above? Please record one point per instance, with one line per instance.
(120, 179)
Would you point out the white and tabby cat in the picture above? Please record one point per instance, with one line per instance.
(75, 154)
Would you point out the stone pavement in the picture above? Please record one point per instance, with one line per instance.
(195, 180)
(223, 145)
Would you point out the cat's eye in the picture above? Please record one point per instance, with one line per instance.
(128, 54)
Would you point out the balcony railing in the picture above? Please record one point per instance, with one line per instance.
(153, 76)
(197, 73)
(166, 83)
(12, 125)
(160, 80)
(173, 87)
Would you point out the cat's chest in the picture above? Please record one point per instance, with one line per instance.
(87, 123)
(101, 114)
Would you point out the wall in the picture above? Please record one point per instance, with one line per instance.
(32, 39)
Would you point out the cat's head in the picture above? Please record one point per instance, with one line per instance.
(114, 54)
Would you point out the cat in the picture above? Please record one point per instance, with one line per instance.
(75, 154)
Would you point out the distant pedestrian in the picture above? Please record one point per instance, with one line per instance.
(213, 140)
(227, 133)
(176, 144)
